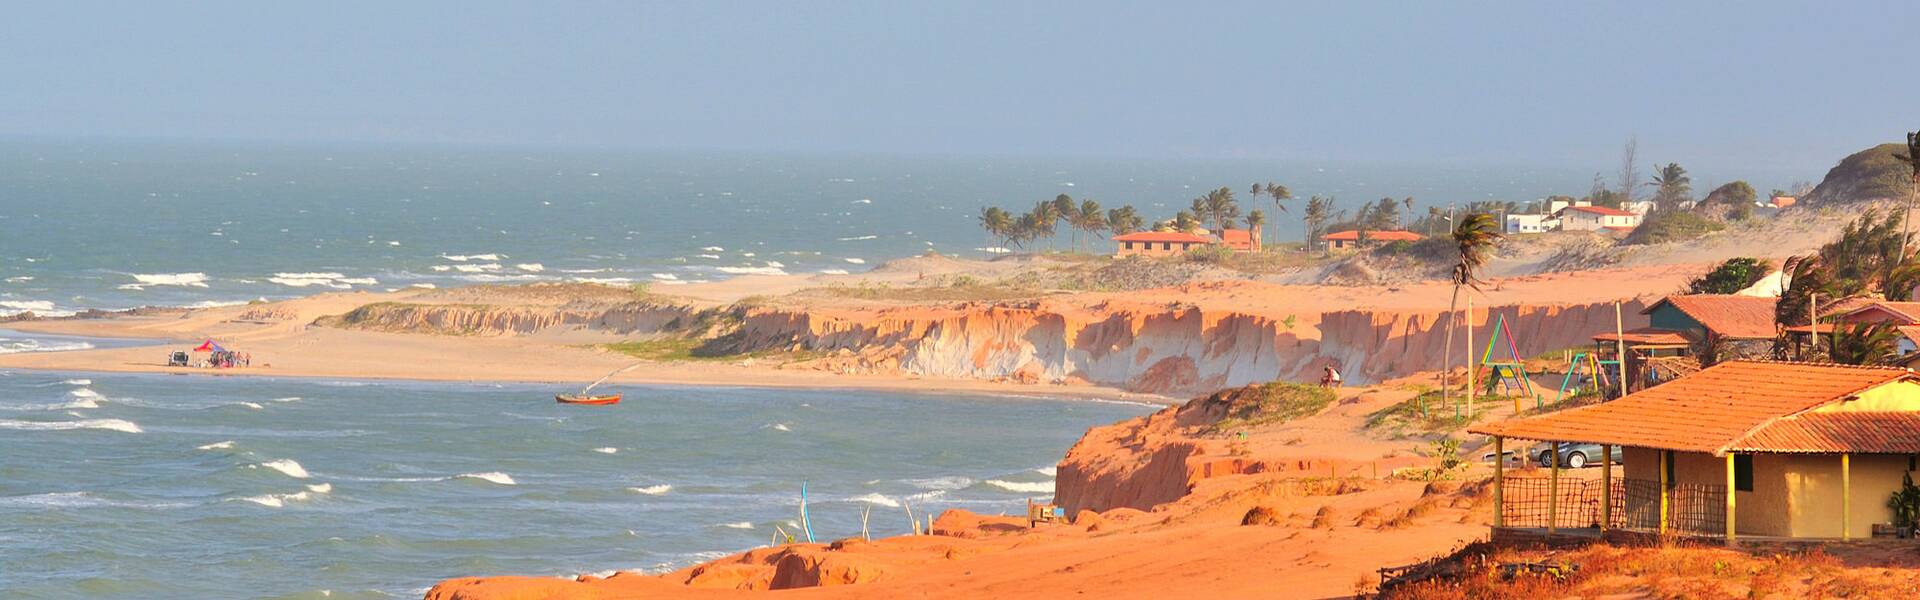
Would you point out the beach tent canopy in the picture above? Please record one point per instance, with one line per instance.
(209, 346)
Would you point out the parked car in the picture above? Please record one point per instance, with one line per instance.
(1575, 455)
(177, 359)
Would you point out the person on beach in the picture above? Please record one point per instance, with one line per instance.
(1330, 379)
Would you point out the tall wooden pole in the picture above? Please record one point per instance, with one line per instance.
(1619, 346)
(1470, 371)
(1606, 487)
(1813, 322)
(1499, 482)
(1553, 489)
(1664, 481)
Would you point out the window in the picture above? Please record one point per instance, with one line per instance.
(1166, 245)
(1129, 245)
(1743, 472)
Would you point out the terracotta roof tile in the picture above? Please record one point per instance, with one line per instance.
(1705, 411)
(1907, 311)
(1602, 210)
(1835, 432)
(1647, 335)
(1736, 317)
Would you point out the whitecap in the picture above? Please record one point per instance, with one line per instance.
(8, 346)
(666, 276)
(940, 483)
(859, 238)
(531, 267)
(77, 381)
(20, 279)
(1049, 471)
(1036, 487)
(777, 427)
(287, 467)
(424, 286)
(857, 261)
(468, 257)
(252, 405)
(281, 500)
(286, 399)
(14, 307)
(709, 256)
(833, 271)
(176, 279)
(994, 250)
(480, 268)
(652, 490)
(714, 249)
(739, 525)
(226, 445)
(878, 500)
(107, 424)
(489, 477)
(217, 303)
(84, 393)
(607, 450)
(864, 201)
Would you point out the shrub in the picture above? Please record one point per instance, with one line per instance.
(1671, 225)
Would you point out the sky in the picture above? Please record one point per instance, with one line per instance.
(1764, 84)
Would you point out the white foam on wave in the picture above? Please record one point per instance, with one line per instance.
(877, 500)
(709, 256)
(81, 500)
(855, 261)
(607, 450)
(286, 399)
(173, 279)
(120, 425)
(666, 276)
(281, 500)
(531, 267)
(329, 279)
(252, 405)
(77, 381)
(833, 271)
(652, 490)
(20, 279)
(1049, 471)
(286, 466)
(739, 525)
(84, 393)
(752, 270)
(1025, 487)
(480, 268)
(12, 346)
(218, 303)
(714, 249)
(940, 483)
(468, 257)
(226, 445)
(495, 477)
(777, 427)
(14, 307)
(994, 250)
(616, 281)
(424, 286)
(861, 238)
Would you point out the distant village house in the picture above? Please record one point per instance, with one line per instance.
(1158, 243)
(1596, 218)
(1350, 240)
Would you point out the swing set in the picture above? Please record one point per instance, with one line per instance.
(1508, 376)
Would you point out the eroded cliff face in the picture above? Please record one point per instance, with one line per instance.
(1179, 350)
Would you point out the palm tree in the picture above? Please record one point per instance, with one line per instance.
(1315, 216)
(1912, 158)
(1255, 219)
(1064, 209)
(1408, 201)
(1184, 222)
(1472, 237)
(1123, 220)
(1900, 283)
(997, 223)
(1045, 217)
(1671, 184)
(1090, 218)
(1864, 344)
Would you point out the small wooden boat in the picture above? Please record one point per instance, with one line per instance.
(595, 400)
(587, 397)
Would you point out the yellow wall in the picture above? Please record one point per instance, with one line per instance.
(1901, 396)
(1793, 495)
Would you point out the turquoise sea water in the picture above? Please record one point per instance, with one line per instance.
(145, 486)
(104, 224)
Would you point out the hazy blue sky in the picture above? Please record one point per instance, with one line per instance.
(1762, 83)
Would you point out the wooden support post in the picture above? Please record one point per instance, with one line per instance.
(1846, 496)
(1470, 372)
(1553, 489)
(1499, 482)
(1730, 501)
(1606, 487)
(1664, 482)
(1620, 348)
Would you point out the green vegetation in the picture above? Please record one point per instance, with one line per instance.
(1872, 174)
(1666, 224)
(1732, 276)
(1420, 415)
(692, 349)
(1734, 201)
(1276, 402)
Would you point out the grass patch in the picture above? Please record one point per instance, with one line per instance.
(1426, 413)
(1275, 402)
(695, 349)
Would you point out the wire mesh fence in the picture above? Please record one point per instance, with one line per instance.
(1691, 508)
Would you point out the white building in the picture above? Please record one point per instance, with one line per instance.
(1595, 218)
(1531, 223)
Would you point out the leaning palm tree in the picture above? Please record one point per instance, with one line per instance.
(1255, 220)
(1912, 158)
(1315, 217)
(1408, 202)
(997, 223)
(1671, 185)
(1089, 218)
(1123, 220)
(1472, 237)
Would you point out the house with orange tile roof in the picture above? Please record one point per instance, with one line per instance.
(1241, 240)
(1743, 326)
(1741, 450)
(1158, 243)
(1351, 239)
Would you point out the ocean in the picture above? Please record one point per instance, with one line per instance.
(158, 486)
(118, 224)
